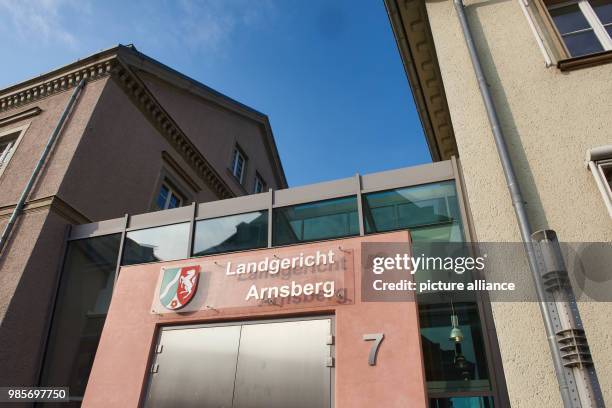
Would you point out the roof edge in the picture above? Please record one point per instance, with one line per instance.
(103, 63)
(412, 32)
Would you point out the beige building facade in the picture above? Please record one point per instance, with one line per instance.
(139, 137)
(554, 106)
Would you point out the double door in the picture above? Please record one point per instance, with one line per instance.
(272, 364)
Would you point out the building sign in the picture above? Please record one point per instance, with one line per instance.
(279, 278)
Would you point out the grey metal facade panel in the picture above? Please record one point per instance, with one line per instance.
(105, 227)
(232, 206)
(408, 176)
(315, 192)
(158, 218)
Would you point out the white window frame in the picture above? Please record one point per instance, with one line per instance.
(260, 181)
(7, 155)
(238, 154)
(171, 192)
(587, 10)
(598, 166)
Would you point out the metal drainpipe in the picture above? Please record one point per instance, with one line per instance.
(547, 309)
(39, 165)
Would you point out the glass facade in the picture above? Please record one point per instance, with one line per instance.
(320, 220)
(232, 233)
(165, 243)
(451, 365)
(462, 402)
(82, 303)
(430, 212)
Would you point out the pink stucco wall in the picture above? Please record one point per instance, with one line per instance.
(119, 374)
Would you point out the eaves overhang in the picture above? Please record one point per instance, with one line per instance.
(415, 43)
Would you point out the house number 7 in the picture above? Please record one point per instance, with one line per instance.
(377, 338)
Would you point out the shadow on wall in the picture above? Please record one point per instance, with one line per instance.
(535, 209)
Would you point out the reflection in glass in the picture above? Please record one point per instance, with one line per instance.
(576, 31)
(582, 43)
(430, 211)
(156, 244)
(452, 365)
(603, 9)
(82, 303)
(233, 233)
(315, 221)
(569, 18)
(461, 402)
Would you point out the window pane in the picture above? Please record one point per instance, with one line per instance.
(406, 208)
(582, 43)
(607, 171)
(156, 244)
(162, 197)
(83, 299)
(5, 150)
(233, 233)
(234, 161)
(174, 201)
(452, 366)
(603, 9)
(442, 233)
(239, 167)
(315, 221)
(569, 18)
(461, 402)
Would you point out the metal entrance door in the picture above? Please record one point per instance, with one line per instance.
(274, 364)
(194, 367)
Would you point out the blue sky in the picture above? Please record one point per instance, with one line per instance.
(326, 72)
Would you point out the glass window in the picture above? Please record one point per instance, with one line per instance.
(327, 219)
(82, 304)
(603, 10)
(168, 198)
(7, 146)
(461, 402)
(584, 25)
(259, 186)
(233, 233)
(156, 244)
(238, 164)
(607, 172)
(432, 205)
(452, 364)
